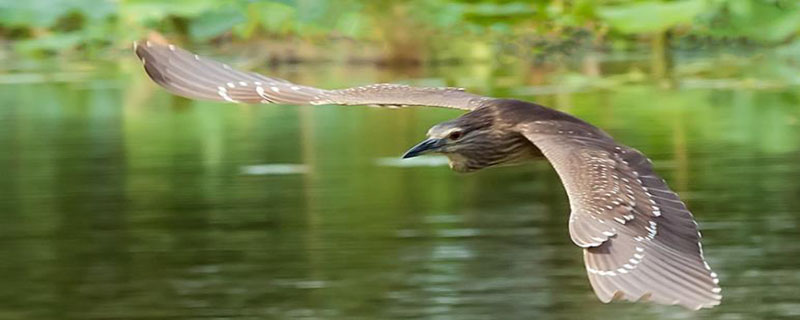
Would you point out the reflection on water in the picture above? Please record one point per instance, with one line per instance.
(121, 201)
(276, 168)
(421, 161)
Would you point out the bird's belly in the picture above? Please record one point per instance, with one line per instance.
(463, 164)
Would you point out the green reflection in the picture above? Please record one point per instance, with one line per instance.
(121, 201)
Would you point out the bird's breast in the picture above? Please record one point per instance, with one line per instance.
(460, 163)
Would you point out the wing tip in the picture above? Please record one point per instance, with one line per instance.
(647, 297)
(153, 38)
(157, 38)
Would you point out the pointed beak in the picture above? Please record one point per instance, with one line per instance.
(423, 148)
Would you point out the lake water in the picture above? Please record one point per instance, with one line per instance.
(120, 201)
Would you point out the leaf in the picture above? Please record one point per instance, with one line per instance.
(758, 20)
(214, 23)
(646, 17)
(44, 13)
(53, 43)
(277, 17)
(154, 10)
(351, 24)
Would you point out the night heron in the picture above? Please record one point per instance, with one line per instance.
(639, 240)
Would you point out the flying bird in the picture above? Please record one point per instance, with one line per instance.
(639, 240)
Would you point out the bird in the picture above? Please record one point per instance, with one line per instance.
(639, 240)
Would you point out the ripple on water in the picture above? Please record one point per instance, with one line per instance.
(423, 161)
(274, 169)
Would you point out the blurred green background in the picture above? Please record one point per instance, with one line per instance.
(121, 201)
(399, 30)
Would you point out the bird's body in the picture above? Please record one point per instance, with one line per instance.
(498, 143)
(502, 121)
(639, 240)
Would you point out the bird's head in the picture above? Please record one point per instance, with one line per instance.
(467, 142)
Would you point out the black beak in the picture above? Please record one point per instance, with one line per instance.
(423, 148)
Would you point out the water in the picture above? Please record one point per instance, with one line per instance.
(120, 201)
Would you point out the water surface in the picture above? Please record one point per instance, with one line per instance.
(120, 201)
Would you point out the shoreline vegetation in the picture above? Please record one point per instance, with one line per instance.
(398, 32)
(584, 42)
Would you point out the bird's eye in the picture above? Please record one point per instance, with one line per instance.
(455, 135)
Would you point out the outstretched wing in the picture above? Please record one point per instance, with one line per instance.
(639, 239)
(189, 75)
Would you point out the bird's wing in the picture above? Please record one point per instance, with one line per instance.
(639, 239)
(189, 75)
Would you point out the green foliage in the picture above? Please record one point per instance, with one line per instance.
(46, 13)
(767, 21)
(651, 16)
(213, 23)
(58, 25)
(148, 11)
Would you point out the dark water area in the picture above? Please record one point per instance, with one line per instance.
(120, 201)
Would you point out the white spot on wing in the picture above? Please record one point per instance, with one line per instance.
(260, 91)
(224, 94)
